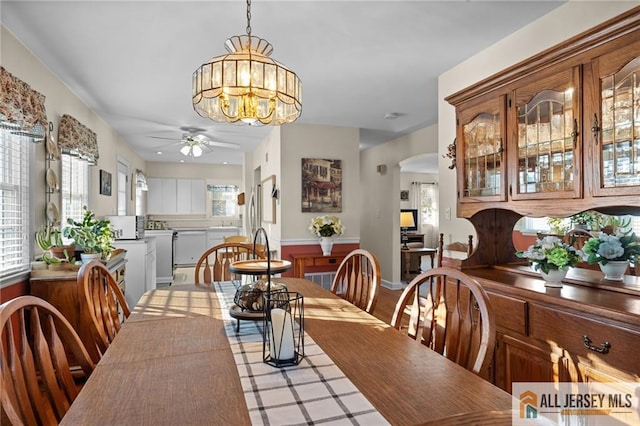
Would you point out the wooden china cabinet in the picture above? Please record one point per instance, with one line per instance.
(555, 135)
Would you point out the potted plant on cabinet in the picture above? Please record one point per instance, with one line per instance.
(54, 251)
(93, 236)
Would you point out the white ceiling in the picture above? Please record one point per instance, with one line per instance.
(131, 62)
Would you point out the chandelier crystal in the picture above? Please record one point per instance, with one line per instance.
(246, 86)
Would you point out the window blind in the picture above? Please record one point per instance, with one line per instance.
(15, 229)
(74, 187)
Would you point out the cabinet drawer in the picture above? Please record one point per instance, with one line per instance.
(566, 330)
(510, 313)
(326, 261)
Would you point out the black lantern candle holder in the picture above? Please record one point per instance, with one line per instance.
(283, 323)
(283, 331)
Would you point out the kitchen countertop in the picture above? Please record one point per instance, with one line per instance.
(210, 228)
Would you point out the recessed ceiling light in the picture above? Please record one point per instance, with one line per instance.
(225, 162)
(159, 152)
(391, 115)
(182, 161)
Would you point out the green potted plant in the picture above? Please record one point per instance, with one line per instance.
(588, 221)
(54, 251)
(94, 237)
(558, 225)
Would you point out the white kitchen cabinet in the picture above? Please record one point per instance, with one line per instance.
(176, 196)
(161, 197)
(190, 196)
(164, 254)
(216, 236)
(190, 245)
(198, 196)
(141, 267)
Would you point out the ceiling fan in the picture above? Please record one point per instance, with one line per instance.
(194, 143)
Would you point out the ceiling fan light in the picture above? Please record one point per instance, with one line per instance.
(185, 150)
(197, 151)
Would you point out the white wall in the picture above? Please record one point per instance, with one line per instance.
(267, 159)
(60, 100)
(315, 141)
(380, 197)
(564, 22)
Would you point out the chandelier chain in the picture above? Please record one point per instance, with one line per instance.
(249, 18)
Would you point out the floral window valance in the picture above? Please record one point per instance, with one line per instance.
(22, 106)
(76, 139)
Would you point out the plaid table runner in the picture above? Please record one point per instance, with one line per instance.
(315, 391)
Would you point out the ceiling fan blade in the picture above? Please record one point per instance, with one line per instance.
(221, 144)
(168, 145)
(169, 139)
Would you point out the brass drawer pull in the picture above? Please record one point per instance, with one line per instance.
(603, 349)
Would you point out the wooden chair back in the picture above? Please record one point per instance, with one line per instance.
(577, 238)
(448, 311)
(36, 383)
(358, 279)
(456, 246)
(103, 306)
(213, 265)
(236, 239)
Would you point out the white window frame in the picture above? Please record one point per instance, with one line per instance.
(75, 190)
(12, 271)
(230, 200)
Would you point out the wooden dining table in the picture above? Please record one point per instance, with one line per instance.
(171, 363)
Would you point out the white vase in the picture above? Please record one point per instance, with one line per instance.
(88, 257)
(554, 278)
(326, 243)
(614, 269)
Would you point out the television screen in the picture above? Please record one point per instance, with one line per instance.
(415, 219)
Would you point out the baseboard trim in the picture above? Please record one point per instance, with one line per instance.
(392, 286)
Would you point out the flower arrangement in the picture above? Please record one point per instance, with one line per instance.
(551, 253)
(326, 226)
(605, 248)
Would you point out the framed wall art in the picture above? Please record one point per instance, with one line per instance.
(105, 182)
(321, 185)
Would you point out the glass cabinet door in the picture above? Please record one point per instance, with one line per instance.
(481, 165)
(546, 117)
(617, 135)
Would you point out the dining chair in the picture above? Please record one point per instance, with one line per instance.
(358, 279)
(455, 248)
(213, 265)
(103, 307)
(577, 238)
(236, 239)
(36, 382)
(448, 311)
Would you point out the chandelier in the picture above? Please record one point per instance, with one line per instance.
(246, 86)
